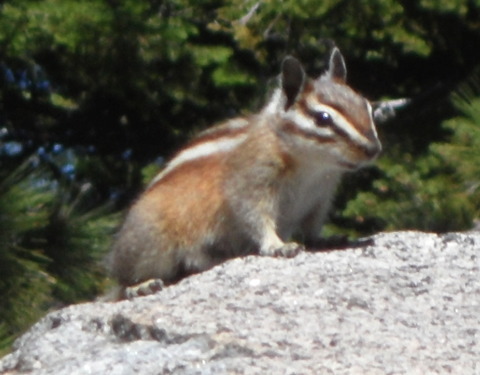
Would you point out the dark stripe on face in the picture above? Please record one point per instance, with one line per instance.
(305, 109)
(369, 150)
(352, 106)
(291, 127)
(358, 117)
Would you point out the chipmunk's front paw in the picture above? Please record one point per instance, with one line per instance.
(288, 250)
(144, 289)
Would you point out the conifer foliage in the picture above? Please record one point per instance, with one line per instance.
(51, 244)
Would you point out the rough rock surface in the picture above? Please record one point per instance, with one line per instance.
(407, 304)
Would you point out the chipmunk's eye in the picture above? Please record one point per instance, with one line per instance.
(323, 118)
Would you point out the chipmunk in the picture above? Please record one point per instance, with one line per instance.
(247, 185)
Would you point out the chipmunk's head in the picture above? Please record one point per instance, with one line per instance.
(324, 116)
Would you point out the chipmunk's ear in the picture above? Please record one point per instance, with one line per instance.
(337, 70)
(293, 78)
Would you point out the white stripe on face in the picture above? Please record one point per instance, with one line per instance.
(304, 121)
(370, 113)
(340, 121)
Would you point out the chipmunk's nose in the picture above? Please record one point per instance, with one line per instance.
(373, 149)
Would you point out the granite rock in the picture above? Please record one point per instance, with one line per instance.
(407, 303)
